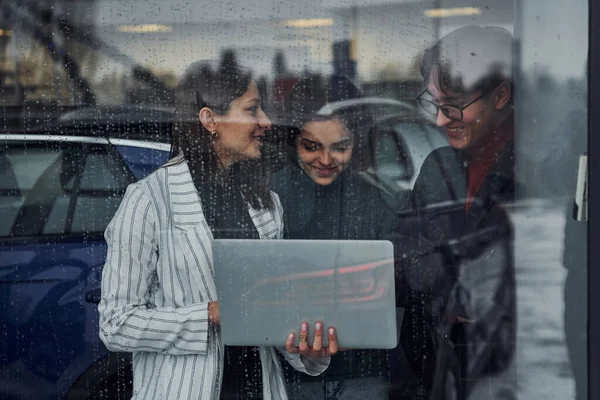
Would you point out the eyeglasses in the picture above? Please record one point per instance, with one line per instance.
(452, 111)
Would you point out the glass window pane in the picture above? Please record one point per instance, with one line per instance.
(40, 184)
(28, 167)
(32, 186)
(57, 218)
(103, 183)
(102, 172)
(490, 280)
(390, 163)
(92, 214)
(550, 142)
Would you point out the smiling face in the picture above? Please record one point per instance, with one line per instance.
(324, 150)
(479, 119)
(476, 122)
(241, 130)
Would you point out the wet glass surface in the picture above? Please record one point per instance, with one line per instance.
(479, 203)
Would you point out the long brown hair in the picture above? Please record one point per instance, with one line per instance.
(199, 87)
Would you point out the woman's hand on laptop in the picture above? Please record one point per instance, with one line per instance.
(317, 349)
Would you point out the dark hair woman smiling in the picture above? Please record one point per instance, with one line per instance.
(325, 199)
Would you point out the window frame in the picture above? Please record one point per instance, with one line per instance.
(593, 306)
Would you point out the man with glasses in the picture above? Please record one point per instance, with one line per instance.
(469, 92)
(468, 78)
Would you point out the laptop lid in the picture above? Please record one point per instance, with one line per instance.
(266, 288)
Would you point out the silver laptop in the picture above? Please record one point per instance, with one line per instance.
(266, 288)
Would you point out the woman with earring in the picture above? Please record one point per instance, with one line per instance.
(158, 292)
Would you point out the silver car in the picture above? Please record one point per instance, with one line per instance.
(400, 145)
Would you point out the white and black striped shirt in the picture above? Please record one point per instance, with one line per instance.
(157, 283)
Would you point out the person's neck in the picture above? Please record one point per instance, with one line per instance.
(503, 118)
(224, 166)
(223, 162)
(502, 133)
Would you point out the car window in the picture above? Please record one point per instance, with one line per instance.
(381, 110)
(49, 189)
(30, 164)
(422, 139)
(391, 159)
(102, 172)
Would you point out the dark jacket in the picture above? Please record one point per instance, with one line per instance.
(443, 179)
(348, 209)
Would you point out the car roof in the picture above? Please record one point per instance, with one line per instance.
(392, 119)
(119, 113)
(332, 107)
(137, 122)
(146, 131)
(115, 141)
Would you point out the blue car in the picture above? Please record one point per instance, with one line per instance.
(57, 194)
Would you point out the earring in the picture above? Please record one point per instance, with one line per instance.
(214, 134)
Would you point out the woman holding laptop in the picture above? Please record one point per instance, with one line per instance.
(158, 292)
(324, 198)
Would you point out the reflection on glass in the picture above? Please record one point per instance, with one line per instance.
(474, 253)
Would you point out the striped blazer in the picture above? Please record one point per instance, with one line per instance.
(157, 283)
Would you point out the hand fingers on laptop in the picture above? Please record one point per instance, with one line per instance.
(303, 345)
(333, 343)
(318, 341)
(317, 349)
(289, 343)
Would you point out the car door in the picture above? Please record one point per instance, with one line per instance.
(56, 198)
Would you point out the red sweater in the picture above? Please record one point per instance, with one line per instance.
(485, 155)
